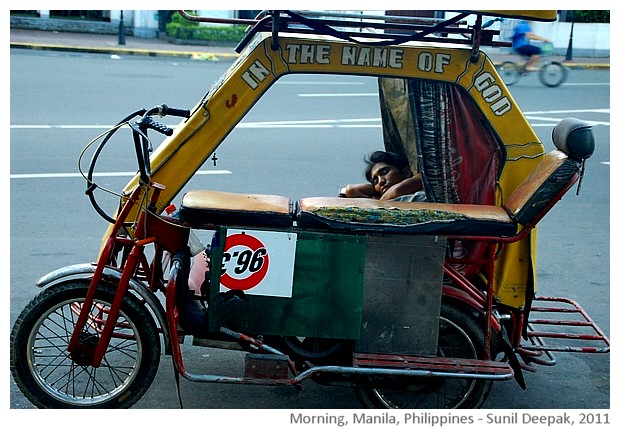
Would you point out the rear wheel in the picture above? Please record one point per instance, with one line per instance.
(47, 374)
(552, 74)
(459, 336)
(510, 72)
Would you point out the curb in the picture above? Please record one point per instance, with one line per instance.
(206, 56)
(585, 66)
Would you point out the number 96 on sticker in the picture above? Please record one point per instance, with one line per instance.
(257, 262)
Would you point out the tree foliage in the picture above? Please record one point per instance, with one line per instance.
(592, 16)
(181, 28)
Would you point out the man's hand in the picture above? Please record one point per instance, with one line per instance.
(358, 190)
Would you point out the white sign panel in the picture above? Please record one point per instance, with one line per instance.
(259, 262)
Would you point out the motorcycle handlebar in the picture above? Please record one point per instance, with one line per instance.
(181, 113)
(141, 142)
(148, 123)
(163, 110)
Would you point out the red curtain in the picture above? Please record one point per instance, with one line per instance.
(457, 152)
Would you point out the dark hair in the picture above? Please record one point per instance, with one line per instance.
(391, 158)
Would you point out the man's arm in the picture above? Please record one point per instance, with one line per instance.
(359, 190)
(534, 36)
(408, 186)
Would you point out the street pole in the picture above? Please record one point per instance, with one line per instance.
(121, 31)
(569, 50)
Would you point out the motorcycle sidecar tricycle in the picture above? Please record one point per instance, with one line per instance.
(413, 304)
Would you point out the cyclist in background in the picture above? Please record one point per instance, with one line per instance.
(521, 43)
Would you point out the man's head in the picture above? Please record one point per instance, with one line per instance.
(385, 169)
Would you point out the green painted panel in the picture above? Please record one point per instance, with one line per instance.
(327, 297)
(327, 286)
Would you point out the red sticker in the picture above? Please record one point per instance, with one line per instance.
(245, 262)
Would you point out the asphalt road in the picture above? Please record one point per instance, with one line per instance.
(306, 137)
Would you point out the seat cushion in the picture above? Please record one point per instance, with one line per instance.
(364, 214)
(546, 182)
(231, 209)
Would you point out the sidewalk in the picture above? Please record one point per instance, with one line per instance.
(109, 44)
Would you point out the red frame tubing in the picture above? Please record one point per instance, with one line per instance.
(104, 258)
(150, 229)
(119, 296)
(172, 316)
(469, 294)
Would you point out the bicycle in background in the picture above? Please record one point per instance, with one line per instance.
(550, 73)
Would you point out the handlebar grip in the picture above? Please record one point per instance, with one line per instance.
(147, 122)
(182, 113)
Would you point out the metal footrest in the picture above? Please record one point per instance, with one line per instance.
(438, 364)
(561, 325)
(266, 366)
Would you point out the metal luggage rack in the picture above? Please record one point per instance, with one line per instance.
(373, 30)
(560, 325)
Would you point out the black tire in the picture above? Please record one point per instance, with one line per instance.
(48, 376)
(552, 74)
(459, 336)
(510, 72)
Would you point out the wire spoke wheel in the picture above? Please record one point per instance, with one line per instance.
(552, 74)
(510, 72)
(51, 377)
(459, 337)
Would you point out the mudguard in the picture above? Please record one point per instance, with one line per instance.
(112, 276)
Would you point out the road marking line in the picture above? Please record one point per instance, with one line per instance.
(322, 83)
(344, 123)
(547, 112)
(107, 174)
(317, 123)
(47, 127)
(349, 94)
(587, 84)
(554, 121)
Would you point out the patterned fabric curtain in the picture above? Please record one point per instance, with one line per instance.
(399, 127)
(459, 156)
(444, 135)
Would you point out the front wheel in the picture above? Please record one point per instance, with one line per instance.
(460, 336)
(510, 72)
(552, 74)
(47, 375)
